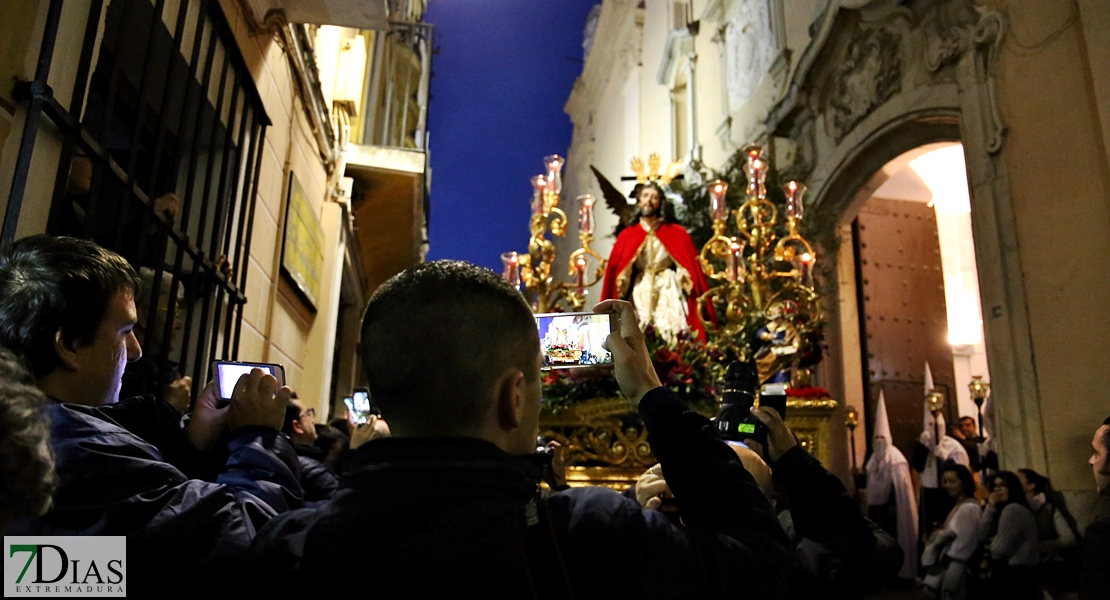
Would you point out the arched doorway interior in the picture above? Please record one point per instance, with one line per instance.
(916, 286)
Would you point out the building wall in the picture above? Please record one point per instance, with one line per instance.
(277, 324)
(1052, 79)
(17, 55)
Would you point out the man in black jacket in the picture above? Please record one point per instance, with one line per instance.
(1094, 579)
(448, 504)
(317, 479)
(842, 554)
(183, 497)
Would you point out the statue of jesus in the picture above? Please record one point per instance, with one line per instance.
(655, 266)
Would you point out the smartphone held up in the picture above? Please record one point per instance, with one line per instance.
(229, 372)
(359, 406)
(570, 340)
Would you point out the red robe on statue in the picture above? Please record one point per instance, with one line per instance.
(681, 248)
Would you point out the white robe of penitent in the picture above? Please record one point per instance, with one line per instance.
(888, 472)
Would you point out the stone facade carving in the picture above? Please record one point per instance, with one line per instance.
(857, 64)
(869, 74)
(750, 49)
(958, 28)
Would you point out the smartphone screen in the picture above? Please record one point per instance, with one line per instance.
(228, 374)
(363, 406)
(356, 417)
(574, 339)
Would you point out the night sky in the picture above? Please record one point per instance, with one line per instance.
(503, 73)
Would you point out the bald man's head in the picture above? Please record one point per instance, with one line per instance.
(755, 465)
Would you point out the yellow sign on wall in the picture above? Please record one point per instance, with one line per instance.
(302, 254)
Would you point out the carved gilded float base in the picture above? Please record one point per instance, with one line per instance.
(606, 442)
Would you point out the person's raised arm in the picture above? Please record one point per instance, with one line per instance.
(709, 483)
(823, 512)
(819, 502)
(261, 460)
(632, 365)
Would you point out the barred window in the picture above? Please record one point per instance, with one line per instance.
(160, 157)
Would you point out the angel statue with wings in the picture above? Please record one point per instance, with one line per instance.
(654, 263)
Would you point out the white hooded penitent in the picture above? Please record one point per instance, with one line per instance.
(888, 472)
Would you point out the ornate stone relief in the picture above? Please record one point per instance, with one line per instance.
(750, 49)
(868, 75)
(978, 29)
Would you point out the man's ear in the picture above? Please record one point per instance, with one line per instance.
(510, 400)
(66, 351)
(297, 427)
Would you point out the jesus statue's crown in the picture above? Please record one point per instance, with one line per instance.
(652, 173)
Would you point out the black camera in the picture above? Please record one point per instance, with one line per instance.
(735, 422)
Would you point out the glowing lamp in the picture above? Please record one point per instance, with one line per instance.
(539, 184)
(511, 272)
(795, 209)
(554, 164)
(718, 207)
(979, 390)
(585, 214)
(935, 400)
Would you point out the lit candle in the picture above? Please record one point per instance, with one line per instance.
(794, 206)
(511, 261)
(804, 265)
(586, 214)
(718, 207)
(580, 270)
(735, 252)
(757, 174)
(554, 164)
(539, 184)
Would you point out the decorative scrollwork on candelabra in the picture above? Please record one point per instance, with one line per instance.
(764, 304)
(533, 270)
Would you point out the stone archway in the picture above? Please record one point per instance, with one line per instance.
(877, 80)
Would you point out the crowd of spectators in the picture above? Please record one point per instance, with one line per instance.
(257, 495)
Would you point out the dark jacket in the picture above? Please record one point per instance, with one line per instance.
(1094, 580)
(317, 480)
(838, 548)
(444, 516)
(128, 469)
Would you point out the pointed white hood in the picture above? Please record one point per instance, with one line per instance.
(888, 472)
(885, 457)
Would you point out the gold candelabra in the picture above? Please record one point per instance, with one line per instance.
(765, 281)
(533, 270)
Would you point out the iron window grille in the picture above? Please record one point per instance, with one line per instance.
(168, 106)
